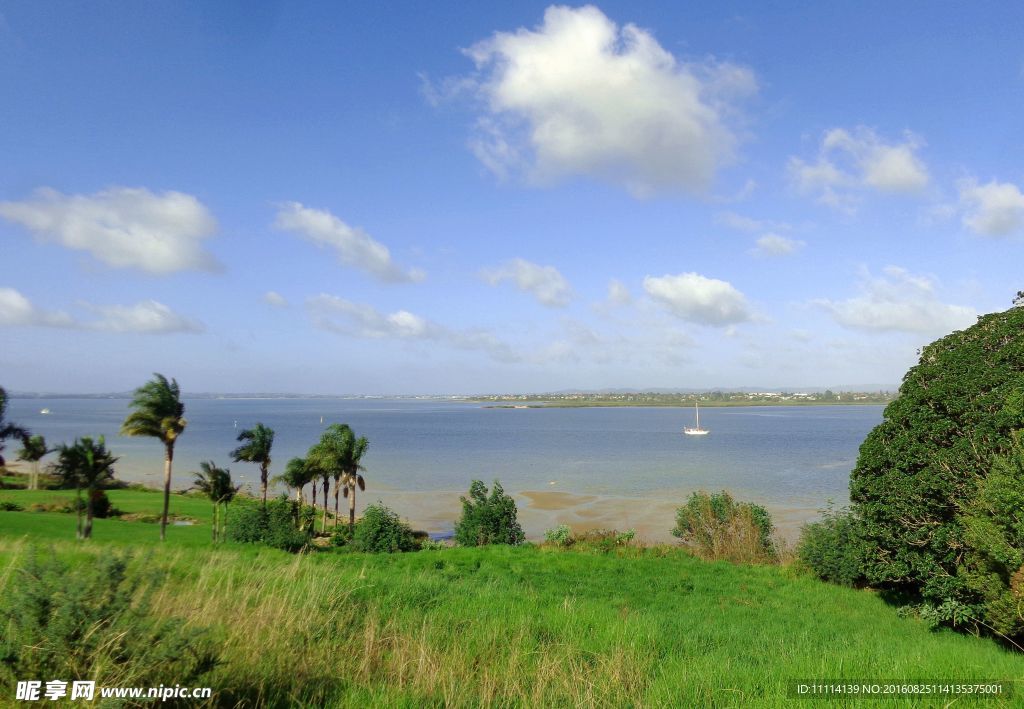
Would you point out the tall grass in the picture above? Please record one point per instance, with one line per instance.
(529, 627)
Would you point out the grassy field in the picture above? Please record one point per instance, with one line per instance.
(502, 626)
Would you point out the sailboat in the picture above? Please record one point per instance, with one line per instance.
(697, 430)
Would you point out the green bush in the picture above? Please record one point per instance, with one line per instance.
(833, 549)
(715, 526)
(559, 536)
(274, 526)
(488, 519)
(381, 530)
(917, 483)
(8, 506)
(92, 622)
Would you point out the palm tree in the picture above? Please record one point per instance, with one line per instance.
(256, 449)
(7, 429)
(85, 464)
(352, 479)
(215, 483)
(32, 452)
(297, 474)
(329, 457)
(158, 414)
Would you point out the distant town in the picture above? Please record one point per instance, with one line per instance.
(711, 398)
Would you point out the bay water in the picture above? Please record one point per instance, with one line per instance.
(610, 467)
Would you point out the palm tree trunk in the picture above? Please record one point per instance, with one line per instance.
(167, 490)
(337, 505)
(78, 509)
(33, 480)
(352, 507)
(87, 532)
(213, 525)
(263, 483)
(326, 485)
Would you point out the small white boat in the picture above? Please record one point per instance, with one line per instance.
(696, 430)
(44, 411)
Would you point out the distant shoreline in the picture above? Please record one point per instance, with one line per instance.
(669, 405)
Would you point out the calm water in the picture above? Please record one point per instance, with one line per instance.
(793, 457)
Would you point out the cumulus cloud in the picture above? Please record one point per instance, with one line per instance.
(696, 298)
(899, 301)
(769, 245)
(545, 283)
(147, 316)
(354, 246)
(276, 299)
(580, 95)
(123, 227)
(860, 160)
(992, 209)
(16, 309)
(334, 314)
(740, 222)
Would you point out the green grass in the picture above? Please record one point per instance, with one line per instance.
(513, 626)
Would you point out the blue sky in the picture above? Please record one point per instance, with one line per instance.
(451, 198)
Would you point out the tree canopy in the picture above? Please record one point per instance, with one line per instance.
(920, 471)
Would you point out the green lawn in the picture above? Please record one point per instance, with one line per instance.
(507, 626)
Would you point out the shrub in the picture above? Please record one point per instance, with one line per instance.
(273, 526)
(380, 530)
(603, 540)
(715, 526)
(91, 622)
(833, 549)
(559, 536)
(488, 519)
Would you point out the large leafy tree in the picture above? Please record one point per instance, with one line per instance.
(87, 465)
(33, 450)
(215, 482)
(256, 445)
(8, 430)
(919, 472)
(158, 412)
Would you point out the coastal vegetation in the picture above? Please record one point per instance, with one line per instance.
(934, 534)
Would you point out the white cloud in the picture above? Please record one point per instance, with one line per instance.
(774, 245)
(147, 316)
(546, 284)
(860, 160)
(992, 209)
(695, 298)
(343, 316)
(122, 227)
(899, 301)
(354, 246)
(276, 299)
(618, 293)
(16, 309)
(579, 95)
